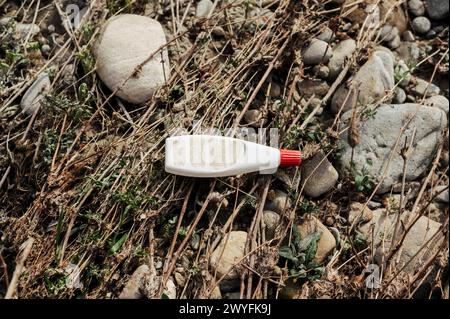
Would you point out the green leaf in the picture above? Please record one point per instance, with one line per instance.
(298, 273)
(305, 242)
(116, 247)
(358, 180)
(286, 252)
(312, 247)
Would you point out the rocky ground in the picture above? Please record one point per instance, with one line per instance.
(90, 90)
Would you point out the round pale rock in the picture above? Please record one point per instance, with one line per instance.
(421, 25)
(125, 42)
(228, 254)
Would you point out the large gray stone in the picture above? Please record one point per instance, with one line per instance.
(380, 230)
(379, 134)
(373, 80)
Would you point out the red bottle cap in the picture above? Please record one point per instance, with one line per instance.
(290, 158)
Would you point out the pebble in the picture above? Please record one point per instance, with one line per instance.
(31, 100)
(260, 17)
(346, 27)
(322, 71)
(374, 205)
(408, 36)
(319, 176)
(46, 48)
(203, 8)
(410, 98)
(422, 88)
(378, 135)
(421, 25)
(159, 264)
(343, 99)
(438, 101)
(342, 51)
(388, 33)
(335, 232)
(21, 29)
(409, 52)
(133, 287)
(327, 242)
(278, 201)
(179, 279)
(271, 221)
(437, 9)
(254, 118)
(275, 90)
(411, 189)
(307, 88)
(416, 7)
(357, 213)
(141, 36)
(228, 253)
(218, 31)
(51, 28)
(395, 43)
(399, 96)
(327, 35)
(144, 283)
(431, 34)
(317, 52)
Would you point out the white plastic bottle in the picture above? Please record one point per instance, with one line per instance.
(215, 156)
